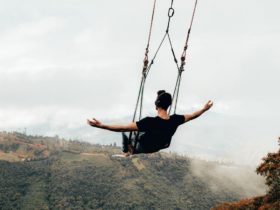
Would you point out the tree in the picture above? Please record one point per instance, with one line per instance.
(270, 168)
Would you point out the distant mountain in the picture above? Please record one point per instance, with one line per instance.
(214, 136)
(39, 172)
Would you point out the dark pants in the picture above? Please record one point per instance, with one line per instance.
(136, 144)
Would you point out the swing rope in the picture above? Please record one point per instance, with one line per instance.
(147, 65)
(182, 66)
(146, 58)
(139, 102)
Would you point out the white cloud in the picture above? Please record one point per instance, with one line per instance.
(24, 37)
(41, 27)
(61, 62)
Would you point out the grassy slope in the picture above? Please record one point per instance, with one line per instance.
(90, 182)
(87, 177)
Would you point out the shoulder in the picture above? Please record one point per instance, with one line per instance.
(145, 123)
(180, 119)
(146, 119)
(176, 116)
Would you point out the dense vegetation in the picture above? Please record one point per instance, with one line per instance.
(51, 173)
(270, 168)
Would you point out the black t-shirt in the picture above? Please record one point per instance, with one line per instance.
(158, 132)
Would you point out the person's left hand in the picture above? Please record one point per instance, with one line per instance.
(208, 105)
(94, 122)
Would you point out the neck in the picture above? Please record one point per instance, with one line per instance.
(162, 113)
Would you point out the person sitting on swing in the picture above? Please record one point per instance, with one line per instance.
(155, 133)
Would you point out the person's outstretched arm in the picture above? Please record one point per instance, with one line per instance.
(116, 128)
(196, 114)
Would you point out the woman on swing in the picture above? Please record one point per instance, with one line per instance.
(156, 132)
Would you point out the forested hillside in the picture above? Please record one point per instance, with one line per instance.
(50, 173)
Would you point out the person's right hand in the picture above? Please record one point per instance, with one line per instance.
(94, 122)
(208, 105)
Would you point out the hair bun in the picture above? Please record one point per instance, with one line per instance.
(163, 100)
(160, 92)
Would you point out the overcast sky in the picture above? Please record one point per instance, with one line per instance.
(64, 61)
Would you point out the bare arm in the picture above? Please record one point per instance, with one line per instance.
(196, 114)
(116, 128)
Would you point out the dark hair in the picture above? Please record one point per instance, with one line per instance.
(163, 100)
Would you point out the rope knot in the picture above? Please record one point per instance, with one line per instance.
(147, 52)
(146, 61)
(183, 63)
